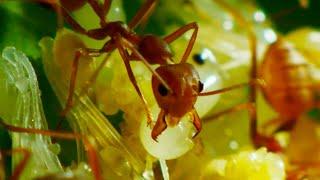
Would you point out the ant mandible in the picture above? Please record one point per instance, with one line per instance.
(285, 82)
(175, 86)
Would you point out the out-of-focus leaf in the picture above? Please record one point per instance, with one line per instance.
(23, 24)
(290, 15)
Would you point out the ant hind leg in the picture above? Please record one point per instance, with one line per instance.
(160, 125)
(125, 56)
(73, 76)
(196, 122)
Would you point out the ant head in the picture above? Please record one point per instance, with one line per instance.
(185, 83)
(154, 49)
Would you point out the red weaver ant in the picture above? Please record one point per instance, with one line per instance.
(175, 86)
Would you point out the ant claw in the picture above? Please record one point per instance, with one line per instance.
(195, 134)
(155, 139)
(269, 142)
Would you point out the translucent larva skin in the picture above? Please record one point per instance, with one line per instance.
(65, 45)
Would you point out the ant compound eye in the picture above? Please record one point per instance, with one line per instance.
(162, 90)
(200, 86)
(198, 58)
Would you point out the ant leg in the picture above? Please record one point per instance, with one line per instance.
(143, 14)
(277, 124)
(302, 171)
(160, 125)
(173, 36)
(73, 76)
(74, 24)
(94, 75)
(125, 56)
(106, 7)
(97, 34)
(196, 122)
(20, 167)
(91, 152)
(252, 41)
(101, 10)
(257, 138)
(98, 10)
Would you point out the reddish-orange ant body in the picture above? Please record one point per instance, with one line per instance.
(175, 86)
(285, 81)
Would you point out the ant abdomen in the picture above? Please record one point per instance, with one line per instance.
(288, 80)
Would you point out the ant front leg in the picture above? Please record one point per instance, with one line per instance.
(22, 164)
(196, 121)
(173, 36)
(126, 59)
(73, 76)
(277, 124)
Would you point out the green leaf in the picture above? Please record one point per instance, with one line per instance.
(24, 24)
